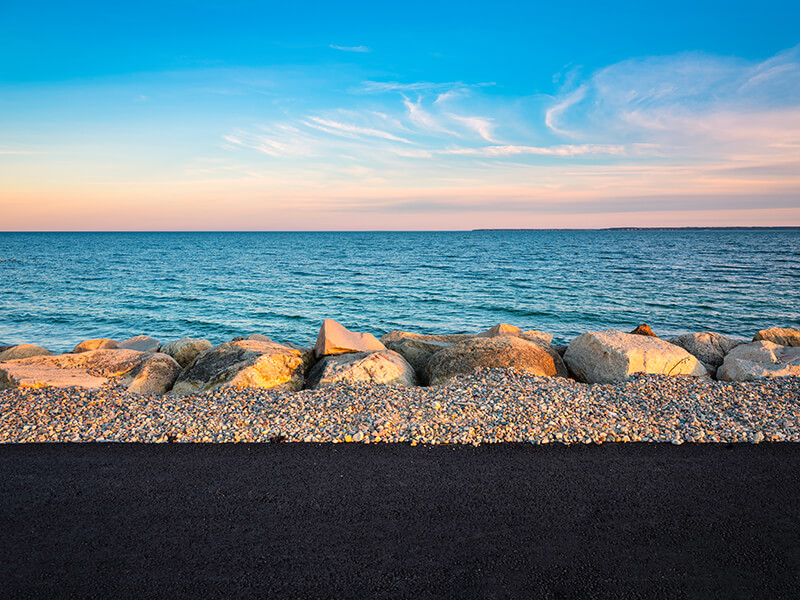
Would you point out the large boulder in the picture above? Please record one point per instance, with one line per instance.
(334, 338)
(706, 346)
(385, 367)
(416, 352)
(156, 376)
(538, 337)
(760, 359)
(447, 338)
(142, 343)
(98, 344)
(23, 351)
(784, 336)
(245, 364)
(608, 356)
(185, 350)
(150, 373)
(494, 352)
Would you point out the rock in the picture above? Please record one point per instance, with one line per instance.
(334, 338)
(99, 344)
(644, 329)
(538, 337)
(417, 352)
(448, 338)
(92, 369)
(494, 352)
(784, 336)
(259, 337)
(760, 359)
(245, 364)
(560, 349)
(185, 350)
(157, 375)
(608, 356)
(23, 351)
(385, 367)
(706, 346)
(142, 343)
(501, 329)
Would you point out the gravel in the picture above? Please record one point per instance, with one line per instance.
(491, 405)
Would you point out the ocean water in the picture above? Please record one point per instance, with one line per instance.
(57, 289)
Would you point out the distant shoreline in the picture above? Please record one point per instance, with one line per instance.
(732, 228)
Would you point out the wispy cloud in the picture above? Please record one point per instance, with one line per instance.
(382, 87)
(566, 150)
(330, 126)
(350, 48)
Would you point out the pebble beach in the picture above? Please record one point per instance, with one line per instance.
(488, 406)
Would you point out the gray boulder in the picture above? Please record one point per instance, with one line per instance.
(758, 360)
(185, 350)
(386, 367)
(245, 364)
(706, 346)
(23, 351)
(417, 352)
(492, 352)
(141, 343)
(608, 356)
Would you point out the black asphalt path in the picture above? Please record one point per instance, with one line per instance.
(395, 521)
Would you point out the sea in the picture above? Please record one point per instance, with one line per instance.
(57, 289)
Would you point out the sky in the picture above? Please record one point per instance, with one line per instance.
(398, 116)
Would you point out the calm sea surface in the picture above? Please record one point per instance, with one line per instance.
(57, 289)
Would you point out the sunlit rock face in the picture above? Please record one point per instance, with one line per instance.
(23, 351)
(644, 329)
(385, 366)
(149, 373)
(494, 352)
(142, 343)
(98, 344)
(245, 364)
(608, 356)
(784, 336)
(185, 350)
(760, 359)
(706, 346)
(334, 338)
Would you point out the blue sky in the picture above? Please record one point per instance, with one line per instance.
(248, 115)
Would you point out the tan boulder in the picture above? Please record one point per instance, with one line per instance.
(245, 364)
(758, 360)
(141, 343)
(448, 338)
(608, 356)
(494, 352)
(706, 346)
(501, 329)
(785, 336)
(185, 350)
(23, 351)
(92, 369)
(98, 344)
(334, 338)
(385, 367)
(156, 376)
